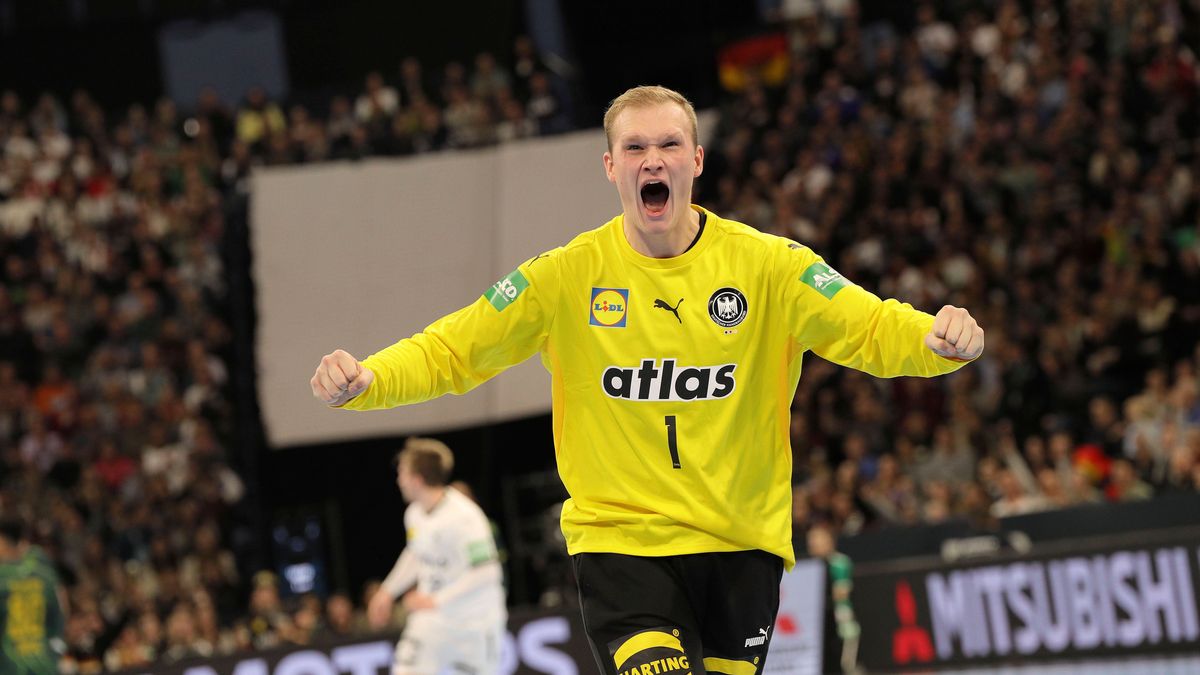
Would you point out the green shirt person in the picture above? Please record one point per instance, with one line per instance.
(841, 626)
(31, 615)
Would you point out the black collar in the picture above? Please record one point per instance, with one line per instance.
(703, 217)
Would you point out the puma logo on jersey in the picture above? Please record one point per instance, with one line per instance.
(662, 304)
(669, 383)
(756, 641)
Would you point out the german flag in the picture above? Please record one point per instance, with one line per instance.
(763, 55)
(1091, 461)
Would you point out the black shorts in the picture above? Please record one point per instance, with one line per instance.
(705, 612)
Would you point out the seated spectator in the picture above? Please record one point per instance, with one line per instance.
(950, 459)
(432, 134)
(1052, 490)
(308, 620)
(1179, 478)
(183, 642)
(129, 651)
(112, 466)
(514, 124)
(526, 63)
(544, 106)
(217, 116)
(269, 625)
(377, 103)
(339, 618)
(1015, 499)
(412, 81)
(1125, 485)
(467, 120)
(340, 125)
(257, 119)
(489, 81)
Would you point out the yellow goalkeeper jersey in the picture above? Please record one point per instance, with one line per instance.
(671, 378)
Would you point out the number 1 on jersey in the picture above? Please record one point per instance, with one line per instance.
(672, 441)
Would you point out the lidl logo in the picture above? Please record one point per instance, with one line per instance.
(609, 307)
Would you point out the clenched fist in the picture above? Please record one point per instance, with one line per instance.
(339, 378)
(955, 335)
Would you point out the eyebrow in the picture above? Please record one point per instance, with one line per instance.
(636, 136)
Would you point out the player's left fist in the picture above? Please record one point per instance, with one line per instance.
(955, 335)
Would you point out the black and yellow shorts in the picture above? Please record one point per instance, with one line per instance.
(673, 615)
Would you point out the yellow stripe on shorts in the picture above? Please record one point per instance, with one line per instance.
(729, 666)
(651, 638)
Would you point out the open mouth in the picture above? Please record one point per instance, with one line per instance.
(654, 197)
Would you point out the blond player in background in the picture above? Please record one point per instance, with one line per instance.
(457, 616)
(674, 339)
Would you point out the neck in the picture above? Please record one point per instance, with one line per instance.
(431, 497)
(667, 244)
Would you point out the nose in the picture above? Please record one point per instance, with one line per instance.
(653, 159)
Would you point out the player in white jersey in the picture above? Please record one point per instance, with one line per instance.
(456, 615)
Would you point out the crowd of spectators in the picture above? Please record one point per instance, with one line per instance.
(1034, 162)
(116, 343)
(114, 354)
(416, 112)
(1036, 166)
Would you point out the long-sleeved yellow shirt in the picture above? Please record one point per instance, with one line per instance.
(671, 379)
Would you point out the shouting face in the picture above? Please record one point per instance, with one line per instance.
(653, 161)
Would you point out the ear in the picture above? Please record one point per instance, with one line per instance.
(608, 168)
(699, 161)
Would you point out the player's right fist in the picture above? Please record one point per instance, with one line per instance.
(339, 378)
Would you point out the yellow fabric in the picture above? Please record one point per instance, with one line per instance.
(732, 490)
(255, 125)
(729, 667)
(643, 641)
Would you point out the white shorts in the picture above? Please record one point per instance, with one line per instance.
(431, 645)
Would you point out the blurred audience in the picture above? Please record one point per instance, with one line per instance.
(1031, 162)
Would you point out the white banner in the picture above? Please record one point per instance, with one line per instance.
(796, 643)
(359, 255)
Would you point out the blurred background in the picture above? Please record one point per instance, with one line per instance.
(200, 198)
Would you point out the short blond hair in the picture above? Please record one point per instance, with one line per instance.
(429, 458)
(645, 96)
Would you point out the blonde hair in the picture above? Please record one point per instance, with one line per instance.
(429, 458)
(645, 96)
